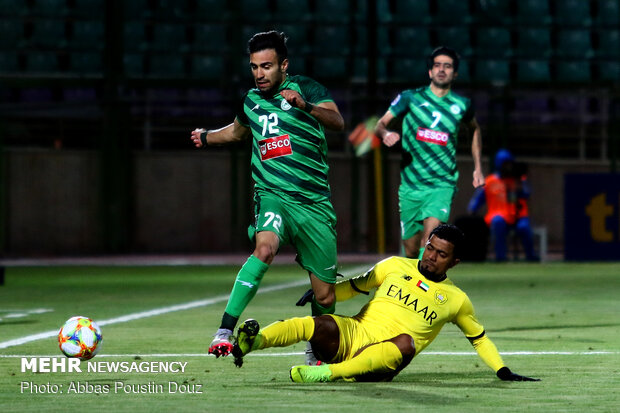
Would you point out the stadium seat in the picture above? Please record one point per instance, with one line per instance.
(411, 71)
(608, 44)
(331, 11)
(412, 12)
(211, 11)
(49, 34)
(330, 68)
(494, 71)
(576, 71)
(608, 14)
(44, 63)
(383, 12)
(297, 42)
(493, 42)
(463, 73)
(573, 13)
(533, 43)
(533, 12)
(494, 12)
(86, 63)
(166, 65)
(168, 37)
(9, 63)
(384, 45)
(133, 64)
(49, 8)
(210, 38)
(453, 12)
(331, 40)
(360, 69)
(87, 35)
(412, 41)
(136, 9)
(11, 33)
(609, 72)
(85, 9)
(12, 8)
(292, 11)
(574, 43)
(207, 67)
(533, 71)
(134, 36)
(457, 38)
(169, 10)
(253, 11)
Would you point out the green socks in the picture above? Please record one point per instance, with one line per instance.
(246, 284)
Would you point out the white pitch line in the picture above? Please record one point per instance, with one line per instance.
(299, 353)
(169, 309)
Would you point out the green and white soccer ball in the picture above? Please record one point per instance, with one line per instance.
(80, 337)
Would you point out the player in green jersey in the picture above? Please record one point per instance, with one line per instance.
(431, 118)
(285, 117)
(412, 301)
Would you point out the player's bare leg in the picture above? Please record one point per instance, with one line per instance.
(412, 245)
(325, 297)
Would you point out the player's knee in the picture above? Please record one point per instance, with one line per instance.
(265, 252)
(326, 297)
(326, 338)
(405, 345)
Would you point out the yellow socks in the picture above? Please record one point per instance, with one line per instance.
(383, 357)
(284, 333)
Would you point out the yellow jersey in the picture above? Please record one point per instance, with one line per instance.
(406, 302)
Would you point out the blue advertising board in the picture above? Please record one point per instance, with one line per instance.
(592, 217)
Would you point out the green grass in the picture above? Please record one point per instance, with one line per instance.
(555, 307)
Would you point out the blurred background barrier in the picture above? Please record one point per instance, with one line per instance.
(97, 99)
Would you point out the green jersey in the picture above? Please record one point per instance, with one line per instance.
(430, 131)
(289, 151)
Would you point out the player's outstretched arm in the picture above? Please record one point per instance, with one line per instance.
(389, 138)
(505, 374)
(228, 134)
(326, 113)
(476, 150)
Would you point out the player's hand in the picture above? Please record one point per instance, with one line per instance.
(478, 179)
(505, 374)
(306, 298)
(294, 98)
(390, 138)
(196, 137)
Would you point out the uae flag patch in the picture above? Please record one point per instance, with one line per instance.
(422, 285)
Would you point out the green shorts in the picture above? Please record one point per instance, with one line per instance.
(310, 229)
(416, 206)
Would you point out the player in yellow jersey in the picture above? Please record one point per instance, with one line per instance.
(413, 300)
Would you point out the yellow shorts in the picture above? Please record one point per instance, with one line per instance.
(354, 336)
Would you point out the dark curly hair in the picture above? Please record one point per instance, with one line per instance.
(453, 235)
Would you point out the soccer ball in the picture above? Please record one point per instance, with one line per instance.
(80, 337)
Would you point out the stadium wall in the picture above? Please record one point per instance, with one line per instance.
(200, 202)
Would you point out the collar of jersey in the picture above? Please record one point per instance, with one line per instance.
(434, 96)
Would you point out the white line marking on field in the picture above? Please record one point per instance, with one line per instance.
(22, 313)
(165, 310)
(299, 353)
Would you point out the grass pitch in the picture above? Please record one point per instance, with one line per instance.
(556, 321)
